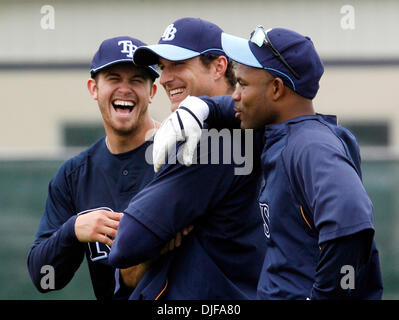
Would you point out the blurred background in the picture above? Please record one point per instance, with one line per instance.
(47, 114)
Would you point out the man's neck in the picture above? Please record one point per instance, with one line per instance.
(117, 144)
(221, 89)
(296, 107)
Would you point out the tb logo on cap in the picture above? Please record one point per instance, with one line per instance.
(169, 33)
(127, 47)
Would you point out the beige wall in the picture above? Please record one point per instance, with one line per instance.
(362, 94)
(36, 103)
(81, 25)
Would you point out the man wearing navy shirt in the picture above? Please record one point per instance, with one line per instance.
(89, 191)
(317, 216)
(221, 258)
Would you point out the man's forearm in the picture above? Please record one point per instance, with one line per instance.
(339, 258)
(131, 276)
(61, 251)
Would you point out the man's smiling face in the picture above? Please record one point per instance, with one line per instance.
(183, 78)
(123, 92)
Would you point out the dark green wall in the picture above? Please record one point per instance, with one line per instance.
(23, 190)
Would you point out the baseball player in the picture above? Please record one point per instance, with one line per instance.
(317, 216)
(222, 257)
(89, 191)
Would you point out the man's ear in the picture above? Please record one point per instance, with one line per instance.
(220, 65)
(153, 91)
(278, 88)
(92, 87)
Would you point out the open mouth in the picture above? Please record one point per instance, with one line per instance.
(123, 106)
(176, 92)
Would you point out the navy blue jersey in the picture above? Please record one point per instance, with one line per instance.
(93, 179)
(221, 258)
(312, 196)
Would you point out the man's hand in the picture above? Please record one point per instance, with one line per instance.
(185, 124)
(176, 241)
(131, 276)
(97, 225)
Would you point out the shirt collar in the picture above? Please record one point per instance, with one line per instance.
(280, 128)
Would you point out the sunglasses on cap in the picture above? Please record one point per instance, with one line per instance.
(259, 37)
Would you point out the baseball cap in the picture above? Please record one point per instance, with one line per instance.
(297, 55)
(116, 50)
(183, 39)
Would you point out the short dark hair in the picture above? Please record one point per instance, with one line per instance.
(206, 60)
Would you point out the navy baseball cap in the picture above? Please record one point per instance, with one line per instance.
(296, 50)
(183, 39)
(116, 50)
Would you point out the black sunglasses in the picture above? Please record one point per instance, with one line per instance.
(259, 37)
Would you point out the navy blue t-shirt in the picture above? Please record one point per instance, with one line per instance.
(314, 206)
(221, 258)
(93, 179)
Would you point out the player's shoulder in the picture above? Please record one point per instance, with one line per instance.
(224, 100)
(321, 136)
(80, 160)
(313, 131)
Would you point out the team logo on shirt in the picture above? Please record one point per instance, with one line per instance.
(98, 250)
(264, 211)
